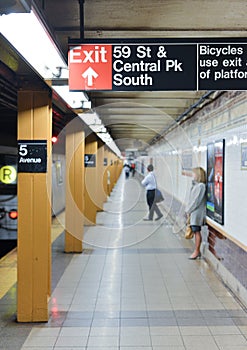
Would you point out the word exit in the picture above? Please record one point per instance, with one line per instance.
(90, 67)
(96, 55)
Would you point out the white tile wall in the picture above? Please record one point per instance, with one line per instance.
(227, 120)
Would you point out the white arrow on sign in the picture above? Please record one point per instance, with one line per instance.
(89, 74)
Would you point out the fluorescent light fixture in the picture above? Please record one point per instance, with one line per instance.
(91, 119)
(87, 105)
(27, 34)
(73, 99)
(96, 125)
(105, 136)
(98, 128)
(114, 148)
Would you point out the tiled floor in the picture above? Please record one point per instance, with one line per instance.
(133, 288)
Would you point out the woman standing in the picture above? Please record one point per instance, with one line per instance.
(150, 183)
(196, 208)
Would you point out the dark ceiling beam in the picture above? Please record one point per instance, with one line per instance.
(81, 3)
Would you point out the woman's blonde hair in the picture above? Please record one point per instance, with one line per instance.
(200, 174)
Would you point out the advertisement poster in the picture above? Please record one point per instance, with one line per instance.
(210, 180)
(215, 181)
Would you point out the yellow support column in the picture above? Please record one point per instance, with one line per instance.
(115, 170)
(74, 219)
(106, 179)
(100, 170)
(120, 167)
(111, 169)
(34, 220)
(91, 180)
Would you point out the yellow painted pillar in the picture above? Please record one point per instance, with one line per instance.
(111, 169)
(106, 176)
(34, 219)
(91, 179)
(74, 216)
(119, 168)
(116, 162)
(100, 183)
(114, 169)
(109, 174)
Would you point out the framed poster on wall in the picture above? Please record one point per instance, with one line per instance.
(215, 180)
(210, 180)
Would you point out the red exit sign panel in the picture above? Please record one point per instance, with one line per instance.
(90, 67)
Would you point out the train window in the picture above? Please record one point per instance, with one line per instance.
(8, 174)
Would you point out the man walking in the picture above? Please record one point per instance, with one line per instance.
(150, 184)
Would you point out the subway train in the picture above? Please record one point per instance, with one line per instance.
(8, 189)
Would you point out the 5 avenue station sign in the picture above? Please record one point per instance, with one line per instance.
(161, 65)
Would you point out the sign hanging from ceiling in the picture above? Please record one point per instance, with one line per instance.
(216, 64)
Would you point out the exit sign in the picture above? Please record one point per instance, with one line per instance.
(158, 64)
(90, 67)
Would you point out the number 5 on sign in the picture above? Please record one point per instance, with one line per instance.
(23, 150)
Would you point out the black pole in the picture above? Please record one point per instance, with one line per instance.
(81, 19)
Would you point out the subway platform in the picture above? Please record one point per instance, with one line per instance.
(132, 288)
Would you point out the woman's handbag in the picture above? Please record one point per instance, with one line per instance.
(158, 196)
(189, 234)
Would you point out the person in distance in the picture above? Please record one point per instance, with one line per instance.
(150, 184)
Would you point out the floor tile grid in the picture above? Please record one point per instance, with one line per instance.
(139, 335)
(121, 297)
(64, 293)
(186, 311)
(95, 338)
(220, 291)
(153, 273)
(146, 301)
(190, 339)
(69, 336)
(175, 340)
(218, 339)
(232, 313)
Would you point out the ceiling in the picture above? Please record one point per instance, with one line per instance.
(135, 119)
(15, 72)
